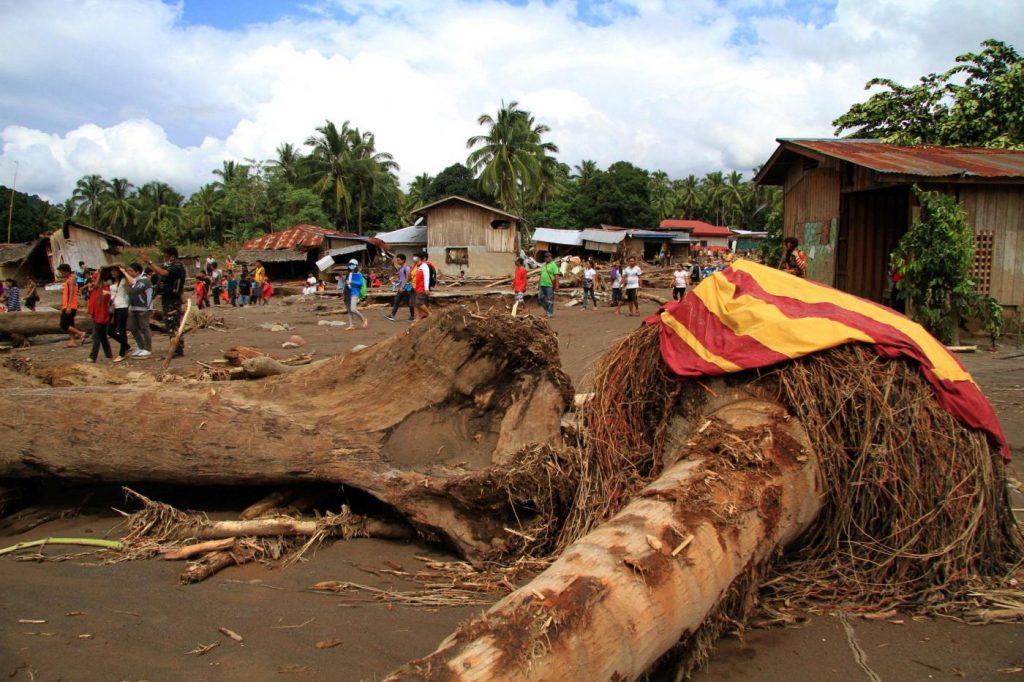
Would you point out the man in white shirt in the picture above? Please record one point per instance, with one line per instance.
(631, 275)
(589, 278)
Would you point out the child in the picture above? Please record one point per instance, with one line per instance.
(232, 288)
(12, 296)
(244, 291)
(200, 292)
(267, 292)
(519, 285)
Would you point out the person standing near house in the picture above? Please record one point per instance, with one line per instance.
(172, 291)
(259, 274)
(140, 309)
(69, 306)
(589, 279)
(99, 311)
(631, 276)
(403, 290)
(794, 261)
(12, 296)
(421, 286)
(118, 325)
(31, 295)
(519, 285)
(680, 281)
(549, 273)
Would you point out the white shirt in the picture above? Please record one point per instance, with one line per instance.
(425, 271)
(681, 277)
(119, 293)
(589, 274)
(633, 277)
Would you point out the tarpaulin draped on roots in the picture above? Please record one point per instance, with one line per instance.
(917, 513)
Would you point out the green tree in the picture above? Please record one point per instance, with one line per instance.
(118, 208)
(372, 174)
(936, 257)
(331, 165)
(982, 110)
(619, 196)
(31, 215)
(458, 180)
(291, 162)
(713, 192)
(160, 214)
(89, 194)
(510, 160)
(419, 190)
(203, 208)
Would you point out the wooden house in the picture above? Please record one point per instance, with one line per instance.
(292, 253)
(75, 243)
(23, 261)
(705, 235)
(466, 237)
(849, 202)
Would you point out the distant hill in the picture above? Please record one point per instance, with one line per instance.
(32, 215)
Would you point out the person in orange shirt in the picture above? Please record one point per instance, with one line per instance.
(69, 306)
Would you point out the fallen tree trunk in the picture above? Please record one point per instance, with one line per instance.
(28, 323)
(286, 525)
(454, 396)
(626, 593)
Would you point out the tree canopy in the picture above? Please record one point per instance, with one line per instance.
(977, 102)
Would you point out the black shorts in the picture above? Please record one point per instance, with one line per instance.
(616, 294)
(630, 295)
(422, 298)
(677, 292)
(67, 320)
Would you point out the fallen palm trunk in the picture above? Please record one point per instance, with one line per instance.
(29, 323)
(626, 593)
(458, 396)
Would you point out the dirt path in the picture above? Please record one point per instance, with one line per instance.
(141, 622)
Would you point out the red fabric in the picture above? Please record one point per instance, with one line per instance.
(519, 282)
(99, 304)
(962, 399)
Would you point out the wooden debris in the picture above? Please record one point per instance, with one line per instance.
(231, 633)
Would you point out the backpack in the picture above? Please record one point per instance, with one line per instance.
(433, 275)
(362, 290)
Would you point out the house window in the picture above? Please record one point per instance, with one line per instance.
(501, 224)
(456, 256)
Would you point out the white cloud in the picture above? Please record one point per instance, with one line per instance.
(124, 88)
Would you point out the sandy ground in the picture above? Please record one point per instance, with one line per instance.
(133, 621)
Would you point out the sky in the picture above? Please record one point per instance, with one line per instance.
(166, 90)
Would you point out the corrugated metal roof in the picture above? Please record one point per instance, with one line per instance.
(927, 160)
(603, 236)
(414, 234)
(697, 228)
(551, 235)
(270, 255)
(294, 238)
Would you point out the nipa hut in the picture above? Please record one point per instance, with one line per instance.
(75, 243)
(468, 238)
(22, 261)
(849, 202)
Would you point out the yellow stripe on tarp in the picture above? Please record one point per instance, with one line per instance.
(777, 283)
(762, 321)
(687, 337)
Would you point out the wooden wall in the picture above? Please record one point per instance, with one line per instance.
(870, 226)
(1001, 210)
(810, 213)
(457, 224)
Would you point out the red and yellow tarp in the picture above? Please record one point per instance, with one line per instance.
(751, 316)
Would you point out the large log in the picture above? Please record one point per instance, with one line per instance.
(43, 321)
(398, 420)
(625, 594)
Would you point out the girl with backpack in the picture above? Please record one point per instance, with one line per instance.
(356, 286)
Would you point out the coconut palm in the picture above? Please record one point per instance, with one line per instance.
(119, 208)
(372, 172)
(159, 205)
(204, 205)
(509, 159)
(585, 171)
(419, 190)
(330, 161)
(713, 190)
(290, 161)
(230, 170)
(89, 193)
(687, 197)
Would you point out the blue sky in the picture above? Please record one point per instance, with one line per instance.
(158, 90)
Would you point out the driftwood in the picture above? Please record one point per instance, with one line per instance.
(286, 525)
(453, 397)
(189, 551)
(623, 595)
(28, 323)
(273, 500)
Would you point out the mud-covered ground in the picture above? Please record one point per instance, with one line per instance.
(134, 621)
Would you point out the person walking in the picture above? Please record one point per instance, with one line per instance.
(117, 329)
(589, 280)
(519, 285)
(69, 306)
(172, 290)
(615, 277)
(99, 311)
(421, 286)
(403, 291)
(680, 281)
(140, 309)
(548, 284)
(631, 277)
(355, 287)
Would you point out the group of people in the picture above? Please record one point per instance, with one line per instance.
(119, 301)
(624, 280)
(412, 285)
(12, 298)
(216, 286)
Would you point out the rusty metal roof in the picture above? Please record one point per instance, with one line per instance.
(924, 161)
(293, 238)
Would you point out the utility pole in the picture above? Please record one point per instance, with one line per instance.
(10, 208)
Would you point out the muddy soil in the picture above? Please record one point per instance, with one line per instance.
(134, 621)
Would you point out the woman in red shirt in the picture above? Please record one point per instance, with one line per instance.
(99, 311)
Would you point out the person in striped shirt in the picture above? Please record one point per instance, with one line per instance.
(12, 296)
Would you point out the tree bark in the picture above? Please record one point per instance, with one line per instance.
(375, 419)
(623, 595)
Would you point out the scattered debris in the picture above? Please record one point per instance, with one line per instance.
(231, 633)
(328, 643)
(202, 649)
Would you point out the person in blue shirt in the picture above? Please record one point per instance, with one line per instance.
(403, 289)
(354, 287)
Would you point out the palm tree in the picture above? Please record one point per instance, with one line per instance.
(119, 208)
(331, 156)
(663, 200)
(687, 196)
(204, 205)
(90, 191)
(713, 190)
(585, 171)
(372, 172)
(289, 160)
(230, 170)
(418, 190)
(509, 159)
(159, 204)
